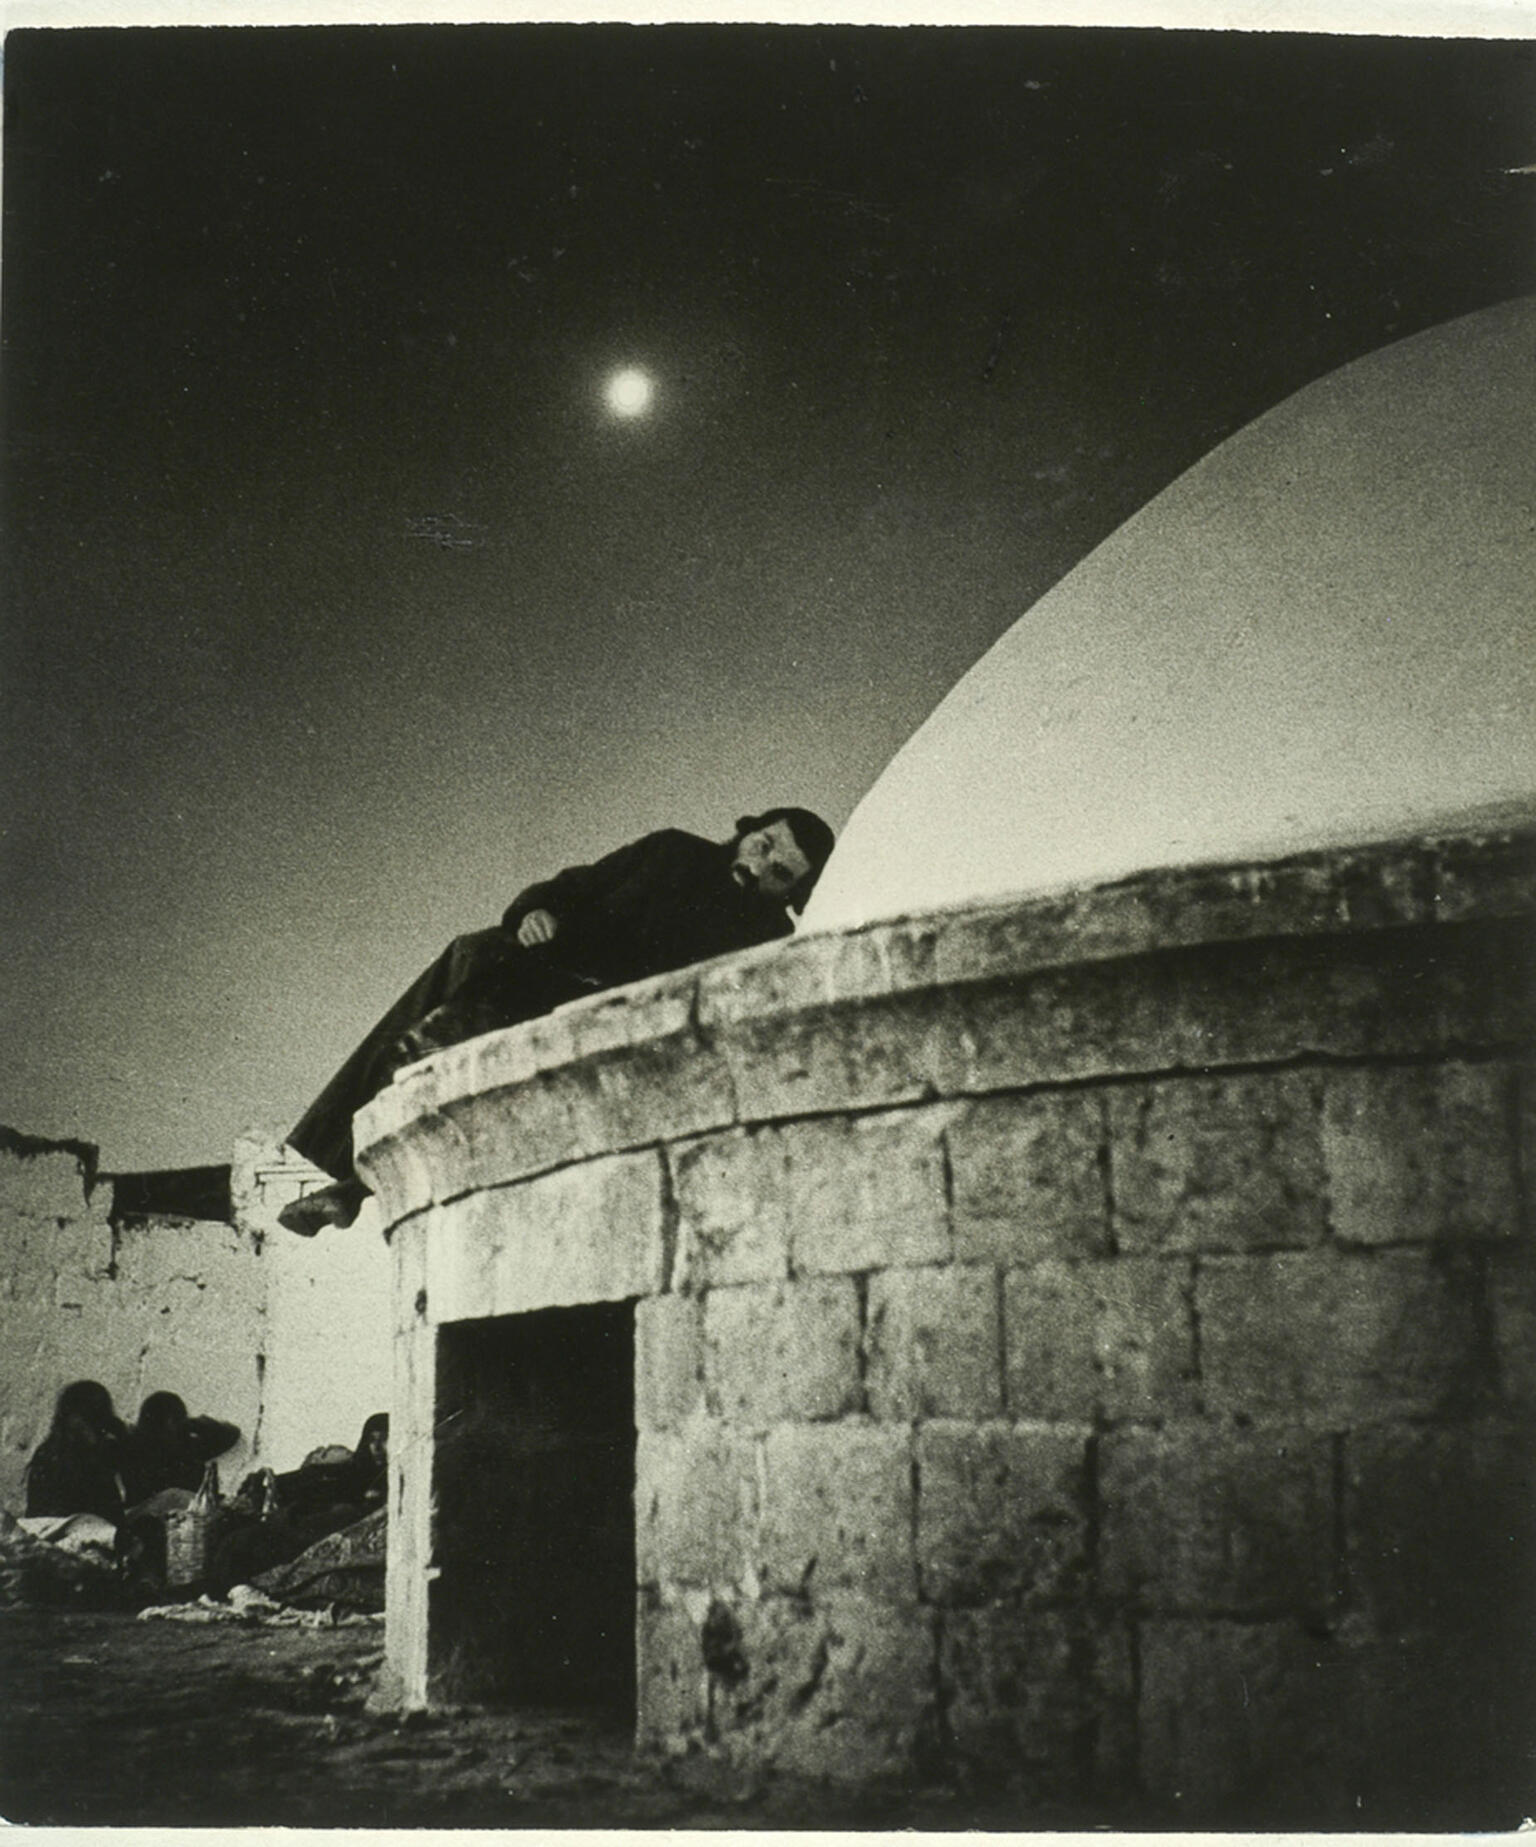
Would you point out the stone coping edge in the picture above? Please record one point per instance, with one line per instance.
(1440, 879)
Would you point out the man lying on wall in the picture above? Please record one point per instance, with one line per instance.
(660, 903)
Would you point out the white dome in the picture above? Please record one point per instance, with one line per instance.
(1322, 633)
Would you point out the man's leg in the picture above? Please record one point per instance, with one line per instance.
(480, 983)
(323, 1134)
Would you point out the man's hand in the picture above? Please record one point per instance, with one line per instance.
(537, 927)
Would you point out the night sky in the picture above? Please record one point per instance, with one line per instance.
(339, 605)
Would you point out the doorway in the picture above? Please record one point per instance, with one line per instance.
(534, 1598)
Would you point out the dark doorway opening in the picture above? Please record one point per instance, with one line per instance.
(534, 1601)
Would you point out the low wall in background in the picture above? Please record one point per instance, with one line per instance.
(286, 1337)
(1087, 1343)
(328, 1362)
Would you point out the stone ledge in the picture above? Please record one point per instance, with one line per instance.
(571, 1078)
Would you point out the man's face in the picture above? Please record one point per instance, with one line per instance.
(769, 861)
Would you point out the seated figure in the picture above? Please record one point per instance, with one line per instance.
(274, 1518)
(76, 1468)
(169, 1449)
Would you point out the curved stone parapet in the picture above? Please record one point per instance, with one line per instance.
(742, 1039)
(1061, 1331)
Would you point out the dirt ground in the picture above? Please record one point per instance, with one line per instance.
(112, 1721)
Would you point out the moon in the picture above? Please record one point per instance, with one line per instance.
(629, 392)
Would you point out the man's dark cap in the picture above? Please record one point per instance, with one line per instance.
(812, 835)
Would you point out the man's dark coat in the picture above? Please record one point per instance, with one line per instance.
(657, 904)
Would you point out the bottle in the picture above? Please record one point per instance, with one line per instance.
(268, 1501)
(207, 1500)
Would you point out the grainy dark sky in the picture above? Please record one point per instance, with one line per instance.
(339, 606)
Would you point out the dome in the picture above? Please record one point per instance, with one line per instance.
(1321, 634)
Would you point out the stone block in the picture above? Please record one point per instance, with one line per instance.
(1306, 895)
(933, 1342)
(669, 1361)
(1002, 1512)
(696, 1505)
(788, 976)
(1444, 1724)
(636, 1070)
(1418, 1153)
(672, 1692)
(1029, 1177)
(594, 1232)
(1512, 1303)
(813, 970)
(1039, 1699)
(408, 1568)
(487, 1063)
(1058, 1025)
(1485, 979)
(1113, 1337)
(778, 1352)
(909, 949)
(1224, 1163)
(839, 1686)
(1348, 1334)
(1267, 1726)
(547, 1042)
(641, 1013)
(410, 1304)
(1393, 993)
(860, 963)
(1440, 1526)
(837, 1509)
(1489, 876)
(867, 1192)
(733, 1218)
(1205, 1520)
(658, 1090)
(1248, 1724)
(893, 1049)
(1221, 1003)
(1011, 940)
(821, 1197)
(1214, 1004)
(559, 1088)
(395, 1165)
(491, 1136)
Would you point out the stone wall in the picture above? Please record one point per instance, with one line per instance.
(148, 1304)
(1087, 1344)
(288, 1338)
(327, 1359)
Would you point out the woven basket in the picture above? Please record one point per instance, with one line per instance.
(188, 1546)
